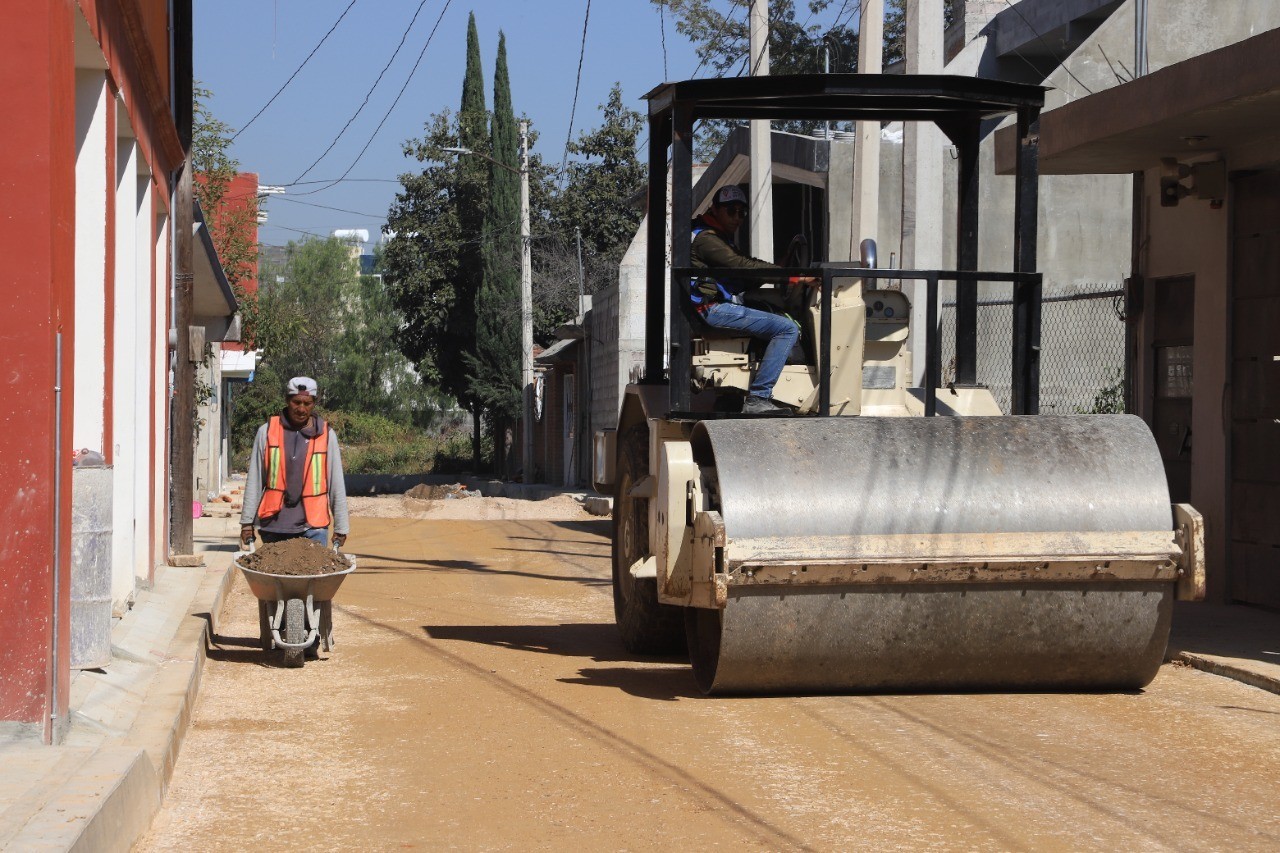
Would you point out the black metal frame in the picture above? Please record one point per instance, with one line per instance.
(957, 105)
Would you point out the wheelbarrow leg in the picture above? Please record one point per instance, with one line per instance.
(264, 625)
(326, 625)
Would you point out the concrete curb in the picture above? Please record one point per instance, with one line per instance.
(126, 811)
(101, 789)
(1226, 669)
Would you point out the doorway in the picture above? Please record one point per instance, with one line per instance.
(1255, 390)
(1173, 346)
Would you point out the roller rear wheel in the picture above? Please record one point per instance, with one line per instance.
(647, 627)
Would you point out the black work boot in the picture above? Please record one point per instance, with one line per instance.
(754, 405)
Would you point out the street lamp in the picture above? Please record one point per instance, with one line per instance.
(526, 297)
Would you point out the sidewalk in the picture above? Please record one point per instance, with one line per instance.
(1242, 643)
(100, 789)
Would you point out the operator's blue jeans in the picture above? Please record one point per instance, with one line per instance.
(781, 332)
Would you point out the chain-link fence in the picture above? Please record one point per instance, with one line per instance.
(1081, 349)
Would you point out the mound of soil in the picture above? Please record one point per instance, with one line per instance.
(299, 556)
(427, 492)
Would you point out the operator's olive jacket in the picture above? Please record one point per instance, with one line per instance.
(713, 248)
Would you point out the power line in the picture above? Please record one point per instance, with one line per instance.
(346, 180)
(368, 94)
(582, 52)
(1061, 63)
(295, 73)
(711, 45)
(387, 115)
(327, 207)
(296, 230)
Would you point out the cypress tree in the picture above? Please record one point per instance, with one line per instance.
(470, 193)
(495, 368)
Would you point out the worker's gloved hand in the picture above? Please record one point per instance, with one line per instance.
(339, 539)
(246, 535)
(805, 279)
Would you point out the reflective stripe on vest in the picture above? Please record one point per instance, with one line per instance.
(315, 491)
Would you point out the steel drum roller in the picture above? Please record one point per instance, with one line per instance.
(792, 483)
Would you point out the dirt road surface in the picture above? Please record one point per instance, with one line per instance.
(478, 699)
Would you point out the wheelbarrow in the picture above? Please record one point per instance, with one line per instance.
(295, 610)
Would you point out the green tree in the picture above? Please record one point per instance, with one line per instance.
(344, 335)
(494, 368)
(433, 262)
(596, 201)
(232, 222)
(722, 42)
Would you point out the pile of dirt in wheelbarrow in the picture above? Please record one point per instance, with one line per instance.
(300, 556)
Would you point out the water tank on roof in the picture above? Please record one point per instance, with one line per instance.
(354, 235)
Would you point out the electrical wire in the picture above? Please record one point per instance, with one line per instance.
(347, 180)
(715, 39)
(387, 115)
(582, 52)
(327, 207)
(295, 72)
(1061, 64)
(367, 95)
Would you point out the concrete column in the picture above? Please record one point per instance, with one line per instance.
(144, 310)
(922, 169)
(761, 194)
(162, 318)
(128, 330)
(866, 165)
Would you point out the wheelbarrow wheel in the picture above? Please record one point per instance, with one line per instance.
(295, 631)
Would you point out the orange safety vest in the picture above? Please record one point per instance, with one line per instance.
(315, 492)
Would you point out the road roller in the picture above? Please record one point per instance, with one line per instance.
(883, 537)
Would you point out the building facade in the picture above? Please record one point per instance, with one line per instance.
(91, 177)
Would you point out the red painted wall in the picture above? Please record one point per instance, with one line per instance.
(37, 73)
(240, 211)
(37, 295)
(240, 196)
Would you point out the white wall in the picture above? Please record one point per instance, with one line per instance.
(124, 399)
(90, 301)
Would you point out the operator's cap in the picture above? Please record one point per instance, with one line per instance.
(729, 194)
(300, 385)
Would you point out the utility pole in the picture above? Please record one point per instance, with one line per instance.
(181, 426)
(922, 144)
(526, 306)
(761, 141)
(581, 280)
(866, 152)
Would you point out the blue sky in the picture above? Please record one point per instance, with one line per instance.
(246, 49)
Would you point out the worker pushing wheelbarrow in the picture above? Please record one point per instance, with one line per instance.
(295, 611)
(294, 491)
